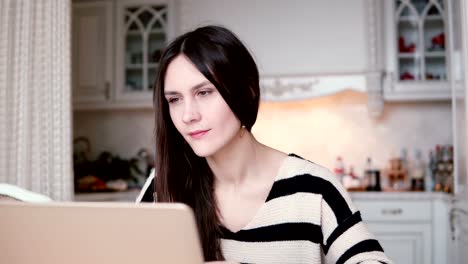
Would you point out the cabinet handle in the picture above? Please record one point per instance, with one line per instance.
(107, 90)
(388, 79)
(454, 212)
(392, 211)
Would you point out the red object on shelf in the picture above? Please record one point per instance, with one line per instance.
(403, 48)
(439, 40)
(401, 44)
(407, 76)
(411, 48)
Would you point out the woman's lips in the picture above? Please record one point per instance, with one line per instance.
(198, 134)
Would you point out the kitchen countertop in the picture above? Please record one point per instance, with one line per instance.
(356, 196)
(124, 196)
(401, 195)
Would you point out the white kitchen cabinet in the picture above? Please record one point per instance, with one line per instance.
(418, 61)
(405, 243)
(143, 28)
(290, 38)
(92, 53)
(297, 54)
(117, 45)
(458, 246)
(412, 228)
(303, 49)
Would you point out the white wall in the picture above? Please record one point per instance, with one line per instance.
(289, 37)
(293, 37)
(318, 129)
(120, 132)
(322, 129)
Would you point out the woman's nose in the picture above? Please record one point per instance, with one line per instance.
(191, 113)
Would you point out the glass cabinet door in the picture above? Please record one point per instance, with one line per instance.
(145, 37)
(420, 32)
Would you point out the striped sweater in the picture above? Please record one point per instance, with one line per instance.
(308, 217)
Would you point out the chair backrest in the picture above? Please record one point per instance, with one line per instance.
(13, 192)
(146, 187)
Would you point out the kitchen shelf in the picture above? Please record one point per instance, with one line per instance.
(139, 33)
(435, 54)
(408, 55)
(123, 196)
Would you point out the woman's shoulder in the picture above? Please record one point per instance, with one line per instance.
(295, 165)
(309, 176)
(301, 175)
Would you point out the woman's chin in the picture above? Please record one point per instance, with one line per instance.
(203, 152)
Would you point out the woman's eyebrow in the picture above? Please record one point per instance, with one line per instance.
(197, 86)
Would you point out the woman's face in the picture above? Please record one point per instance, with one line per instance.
(197, 109)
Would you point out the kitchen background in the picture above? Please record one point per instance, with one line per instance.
(318, 129)
(394, 65)
(324, 37)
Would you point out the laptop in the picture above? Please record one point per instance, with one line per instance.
(87, 233)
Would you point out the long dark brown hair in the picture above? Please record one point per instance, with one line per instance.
(182, 176)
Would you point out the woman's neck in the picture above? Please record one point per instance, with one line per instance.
(238, 161)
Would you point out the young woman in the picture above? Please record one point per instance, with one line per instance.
(253, 204)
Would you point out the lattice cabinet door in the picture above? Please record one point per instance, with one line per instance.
(143, 29)
(419, 54)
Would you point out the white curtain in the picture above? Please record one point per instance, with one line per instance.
(35, 109)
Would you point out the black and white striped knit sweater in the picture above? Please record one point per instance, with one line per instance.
(307, 218)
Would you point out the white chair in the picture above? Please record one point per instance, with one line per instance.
(13, 192)
(145, 186)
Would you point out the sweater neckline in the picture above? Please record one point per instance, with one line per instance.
(227, 232)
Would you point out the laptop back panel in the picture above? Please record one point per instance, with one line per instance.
(85, 233)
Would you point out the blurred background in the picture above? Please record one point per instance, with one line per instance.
(372, 90)
(352, 80)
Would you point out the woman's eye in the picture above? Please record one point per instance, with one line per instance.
(204, 93)
(173, 100)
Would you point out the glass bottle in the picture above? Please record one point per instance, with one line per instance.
(417, 172)
(430, 173)
(405, 181)
(339, 169)
(448, 160)
(440, 168)
(368, 179)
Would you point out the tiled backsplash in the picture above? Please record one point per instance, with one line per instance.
(317, 129)
(324, 128)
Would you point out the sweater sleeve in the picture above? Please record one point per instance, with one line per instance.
(346, 238)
